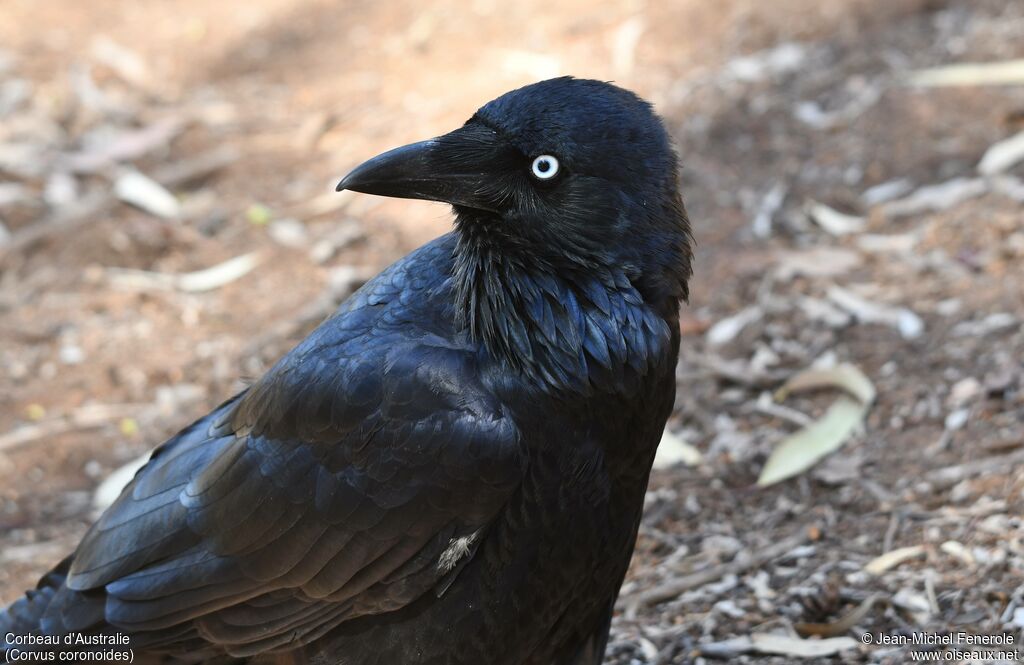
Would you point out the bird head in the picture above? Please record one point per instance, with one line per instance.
(565, 175)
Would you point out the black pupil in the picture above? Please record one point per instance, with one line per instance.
(543, 166)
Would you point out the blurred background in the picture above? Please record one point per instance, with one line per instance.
(853, 170)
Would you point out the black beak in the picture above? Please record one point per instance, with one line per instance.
(457, 168)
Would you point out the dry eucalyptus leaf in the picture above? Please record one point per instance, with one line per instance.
(1007, 72)
(817, 262)
(145, 193)
(207, 279)
(909, 324)
(843, 376)
(1003, 155)
(111, 488)
(803, 449)
(938, 197)
(673, 449)
(833, 221)
(893, 558)
(784, 645)
(726, 330)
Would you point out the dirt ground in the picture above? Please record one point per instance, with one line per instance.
(840, 217)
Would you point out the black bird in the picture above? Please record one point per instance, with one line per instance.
(451, 469)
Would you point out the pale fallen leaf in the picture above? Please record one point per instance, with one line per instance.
(1003, 155)
(725, 330)
(770, 204)
(893, 558)
(957, 550)
(909, 324)
(811, 113)
(125, 145)
(208, 279)
(1006, 72)
(914, 602)
(824, 311)
(111, 488)
(817, 262)
(125, 62)
(803, 449)
(834, 222)
(843, 376)
(785, 645)
(145, 193)
(288, 232)
(990, 324)
(938, 197)
(674, 449)
(900, 243)
(775, 61)
(886, 191)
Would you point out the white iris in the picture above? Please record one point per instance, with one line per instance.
(544, 167)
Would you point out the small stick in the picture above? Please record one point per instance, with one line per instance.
(890, 533)
(951, 475)
(680, 585)
(93, 206)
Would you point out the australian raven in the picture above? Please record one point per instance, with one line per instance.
(451, 469)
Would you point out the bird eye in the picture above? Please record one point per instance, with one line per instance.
(544, 167)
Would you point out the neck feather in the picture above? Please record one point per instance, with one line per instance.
(569, 327)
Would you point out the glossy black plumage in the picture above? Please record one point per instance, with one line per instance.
(449, 470)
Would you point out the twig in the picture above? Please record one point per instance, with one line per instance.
(780, 411)
(679, 585)
(95, 205)
(951, 475)
(737, 371)
(890, 533)
(844, 623)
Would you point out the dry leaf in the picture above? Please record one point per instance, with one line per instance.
(726, 330)
(1003, 155)
(817, 262)
(784, 645)
(893, 558)
(957, 550)
(941, 196)
(786, 57)
(673, 449)
(111, 488)
(843, 376)
(907, 322)
(833, 221)
(803, 449)
(145, 193)
(1007, 72)
(124, 146)
(193, 282)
